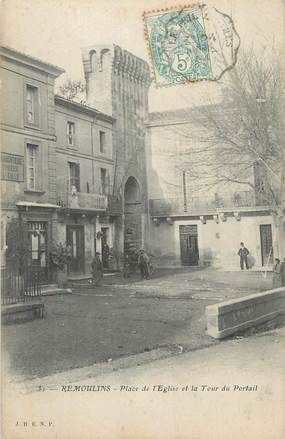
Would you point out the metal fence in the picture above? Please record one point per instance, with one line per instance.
(19, 287)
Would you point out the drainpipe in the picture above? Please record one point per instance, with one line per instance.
(184, 190)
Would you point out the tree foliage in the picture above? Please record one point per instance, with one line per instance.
(74, 90)
(243, 138)
(60, 255)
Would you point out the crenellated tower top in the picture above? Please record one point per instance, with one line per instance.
(101, 64)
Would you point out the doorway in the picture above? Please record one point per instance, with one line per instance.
(75, 239)
(266, 244)
(37, 238)
(189, 250)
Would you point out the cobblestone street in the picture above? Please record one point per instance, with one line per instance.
(122, 318)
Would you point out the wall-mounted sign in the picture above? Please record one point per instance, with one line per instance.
(12, 167)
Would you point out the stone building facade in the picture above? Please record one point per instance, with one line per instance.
(71, 173)
(117, 84)
(193, 222)
(28, 156)
(108, 172)
(84, 172)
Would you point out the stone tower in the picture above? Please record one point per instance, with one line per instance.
(117, 83)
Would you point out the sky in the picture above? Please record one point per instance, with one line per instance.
(55, 30)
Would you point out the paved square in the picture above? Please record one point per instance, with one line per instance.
(122, 318)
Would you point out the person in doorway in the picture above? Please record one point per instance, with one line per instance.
(97, 270)
(276, 278)
(243, 254)
(143, 263)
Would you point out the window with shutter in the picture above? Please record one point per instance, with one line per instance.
(102, 141)
(70, 133)
(108, 191)
(103, 177)
(77, 177)
(74, 176)
(32, 152)
(32, 116)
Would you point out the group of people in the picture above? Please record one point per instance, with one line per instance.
(137, 259)
(142, 261)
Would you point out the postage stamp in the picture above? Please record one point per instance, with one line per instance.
(190, 43)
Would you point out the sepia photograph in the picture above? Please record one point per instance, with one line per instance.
(142, 219)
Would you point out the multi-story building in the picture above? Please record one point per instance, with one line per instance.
(84, 174)
(76, 174)
(194, 222)
(71, 173)
(28, 156)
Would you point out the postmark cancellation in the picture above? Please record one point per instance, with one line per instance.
(190, 43)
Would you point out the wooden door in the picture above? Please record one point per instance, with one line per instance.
(266, 244)
(189, 250)
(75, 238)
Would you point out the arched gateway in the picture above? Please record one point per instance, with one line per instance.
(133, 215)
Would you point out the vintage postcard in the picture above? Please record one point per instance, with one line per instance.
(142, 219)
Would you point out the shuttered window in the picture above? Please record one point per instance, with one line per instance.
(102, 135)
(70, 133)
(32, 152)
(74, 176)
(105, 181)
(32, 107)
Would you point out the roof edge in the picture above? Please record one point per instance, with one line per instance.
(83, 108)
(36, 63)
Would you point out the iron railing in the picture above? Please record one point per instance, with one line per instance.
(19, 287)
(82, 201)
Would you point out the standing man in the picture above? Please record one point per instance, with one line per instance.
(243, 254)
(97, 270)
(143, 263)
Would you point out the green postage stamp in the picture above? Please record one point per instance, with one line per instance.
(190, 43)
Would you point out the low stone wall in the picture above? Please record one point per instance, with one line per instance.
(226, 318)
(22, 312)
